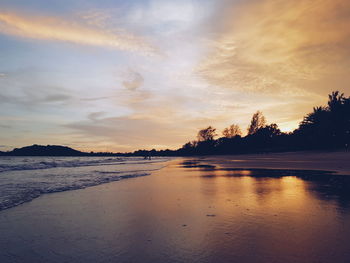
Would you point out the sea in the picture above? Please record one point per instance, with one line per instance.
(24, 178)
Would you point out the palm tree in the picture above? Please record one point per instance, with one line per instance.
(335, 100)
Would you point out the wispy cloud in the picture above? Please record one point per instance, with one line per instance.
(130, 133)
(133, 80)
(36, 96)
(5, 126)
(95, 98)
(93, 116)
(73, 31)
(281, 57)
(56, 98)
(279, 46)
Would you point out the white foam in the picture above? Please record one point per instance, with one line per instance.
(24, 178)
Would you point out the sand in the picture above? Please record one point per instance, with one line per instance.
(339, 162)
(181, 214)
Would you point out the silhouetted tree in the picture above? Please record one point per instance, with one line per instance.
(339, 118)
(318, 115)
(335, 100)
(207, 134)
(258, 121)
(189, 146)
(232, 131)
(269, 131)
(327, 127)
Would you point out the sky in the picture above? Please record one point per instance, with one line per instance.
(113, 75)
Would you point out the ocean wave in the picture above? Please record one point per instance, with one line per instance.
(23, 179)
(28, 164)
(16, 194)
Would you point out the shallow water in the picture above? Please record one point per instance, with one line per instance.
(24, 178)
(187, 213)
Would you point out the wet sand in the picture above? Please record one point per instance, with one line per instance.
(193, 210)
(339, 162)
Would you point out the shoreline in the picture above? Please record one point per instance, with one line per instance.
(192, 210)
(328, 163)
(182, 214)
(337, 161)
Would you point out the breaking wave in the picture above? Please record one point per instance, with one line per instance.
(24, 178)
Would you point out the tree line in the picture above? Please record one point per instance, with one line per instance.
(327, 127)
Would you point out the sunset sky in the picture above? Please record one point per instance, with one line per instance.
(114, 75)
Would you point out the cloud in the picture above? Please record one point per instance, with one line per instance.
(95, 17)
(9, 99)
(56, 98)
(61, 29)
(95, 98)
(5, 126)
(168, 17)
(272, 55)
(93, 116)
(153, 120)
(130, 133)
(275, 46)
(32, 96)
(133, 80)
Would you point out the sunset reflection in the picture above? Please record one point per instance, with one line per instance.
(228, 206)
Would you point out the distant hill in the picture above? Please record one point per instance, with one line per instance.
(58, 150)
(53, 150)
(49, 150)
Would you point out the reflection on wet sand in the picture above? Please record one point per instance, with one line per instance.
(325, 185)
(190, 211)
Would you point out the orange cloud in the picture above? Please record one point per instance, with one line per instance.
(281, 46)
(59, 29)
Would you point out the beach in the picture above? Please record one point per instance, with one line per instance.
(336, 161)
(194, 209)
